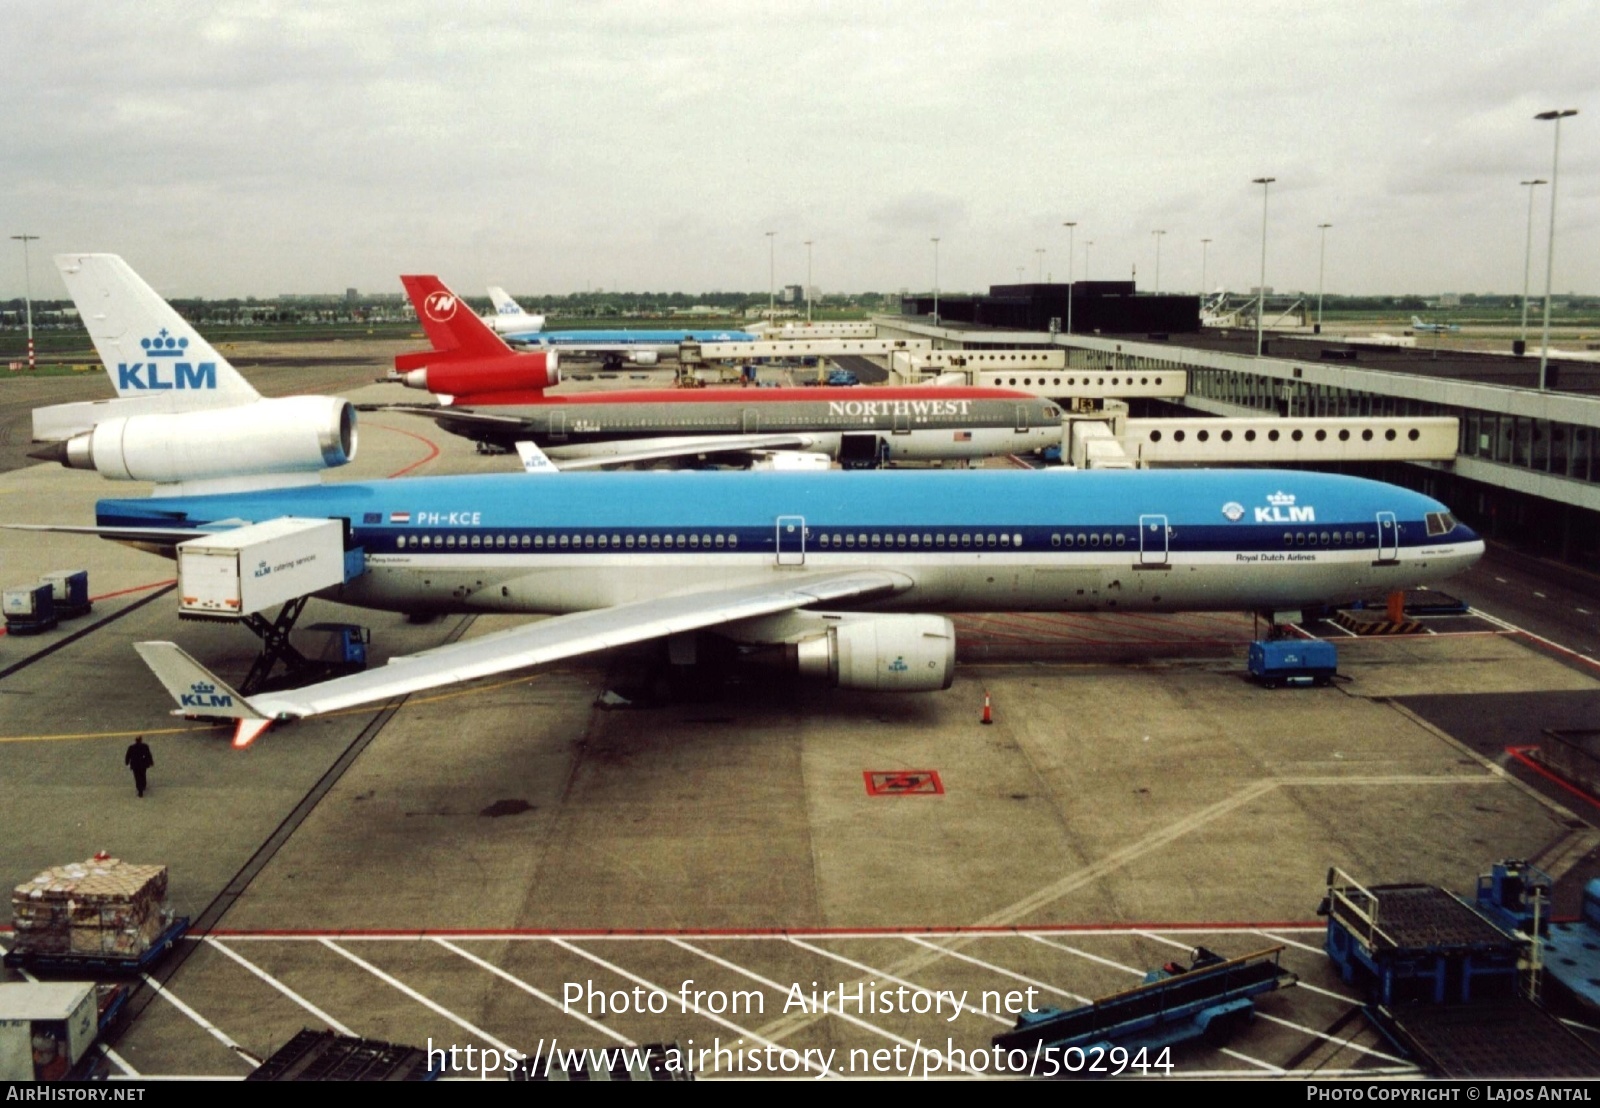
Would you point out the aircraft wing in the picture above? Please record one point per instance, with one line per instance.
(151, 536)
(200, 693)
(633, 451)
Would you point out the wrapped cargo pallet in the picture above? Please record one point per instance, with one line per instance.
(103, 906)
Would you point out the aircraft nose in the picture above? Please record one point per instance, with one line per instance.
(1466, 534)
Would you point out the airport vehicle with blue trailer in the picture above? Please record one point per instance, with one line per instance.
(1132, 1031)
(1275, 662)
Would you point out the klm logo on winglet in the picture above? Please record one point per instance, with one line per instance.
(163, 370)
(201, 694)
(1283, 510)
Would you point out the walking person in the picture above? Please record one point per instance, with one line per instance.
(139, 759)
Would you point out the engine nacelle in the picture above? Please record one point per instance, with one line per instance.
(889, 653)
(518, 373)
(297, 434)
(645, 357)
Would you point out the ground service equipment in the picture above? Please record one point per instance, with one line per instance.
(244, 571)
(1443, 983)
(1275, 662)
(1211, 998)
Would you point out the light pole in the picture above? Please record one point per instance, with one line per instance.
(808, 282)
(772, 276)
(1527, 264)
(1071, 230)
(1558, 115)
(1322, 254)
(1086, 247)
(936, 280)
(1019, 274)
(27, 290)
(1158, 235)
(1204, 243)
(1261, 292)
(1039, 251)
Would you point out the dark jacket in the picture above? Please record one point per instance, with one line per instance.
(139, 757)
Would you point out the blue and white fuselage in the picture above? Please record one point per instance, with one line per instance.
(665, 342)
(1093, 540)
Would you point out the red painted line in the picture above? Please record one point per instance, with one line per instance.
(1518, 753)
(760, 932)
(433, 448)
(136, 588)
(1542, 641)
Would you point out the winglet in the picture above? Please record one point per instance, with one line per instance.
(534, 459)
(200, 693)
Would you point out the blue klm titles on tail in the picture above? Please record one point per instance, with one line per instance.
(183, 375)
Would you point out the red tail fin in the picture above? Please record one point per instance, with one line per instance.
(452, 326)
(468, 359)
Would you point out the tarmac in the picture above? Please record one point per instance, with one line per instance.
(477, 866)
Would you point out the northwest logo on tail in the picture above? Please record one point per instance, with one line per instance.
(440, 306)
(164, 370)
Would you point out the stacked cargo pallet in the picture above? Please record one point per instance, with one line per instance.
(103, 906)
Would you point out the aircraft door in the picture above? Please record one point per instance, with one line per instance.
(558, 425)
(751, 421)
(1022, 417)
(1153, 533)
(902, 423)
(1388, 539)
(791, 540)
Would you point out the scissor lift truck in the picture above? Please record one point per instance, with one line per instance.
(1443, 983)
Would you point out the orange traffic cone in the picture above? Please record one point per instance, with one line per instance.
(988, 716)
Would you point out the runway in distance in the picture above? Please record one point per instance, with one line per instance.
(845, 576)
(491, 398)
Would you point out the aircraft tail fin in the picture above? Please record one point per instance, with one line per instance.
(503, 304)
(534, 460)
(200, 693)
(452, 327)
(146, 347)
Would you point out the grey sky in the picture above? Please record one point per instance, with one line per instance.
(252, 148)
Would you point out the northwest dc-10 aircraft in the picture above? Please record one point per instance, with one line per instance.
(841, 570)
(496, 395)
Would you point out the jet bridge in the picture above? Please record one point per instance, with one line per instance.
(1043, 373)
(1110, 440)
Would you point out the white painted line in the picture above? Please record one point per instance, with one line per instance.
(1315, 1034)
(1536, 638)
(127, 1070)
(847, 1017)
(420, 999)
(1583, 611)
(1344, 631)
(1153, 937)
(595, 1025)
(214, 1031)
(1540, 595)
(1272, 937)
(992, 968)
(1086, 956)
(282, 988)
(1278, 1071)
(653, 987)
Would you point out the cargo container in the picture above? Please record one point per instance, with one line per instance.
(69, 589)
(241, 572)
(29, 609)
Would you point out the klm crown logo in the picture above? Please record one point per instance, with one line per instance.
(163, 370)
(1280, 499)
